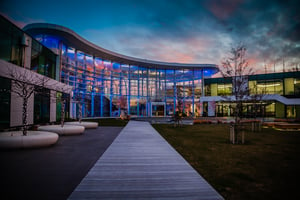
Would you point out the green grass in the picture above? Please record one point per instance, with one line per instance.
(266, 167)
(109, 121)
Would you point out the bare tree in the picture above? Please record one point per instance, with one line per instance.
(179, 104)
(24, 84)
(79, 98)
(236, 66)
(62, 99)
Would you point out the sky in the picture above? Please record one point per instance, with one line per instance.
(182, 31)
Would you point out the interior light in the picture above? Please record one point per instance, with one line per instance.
(269, 85)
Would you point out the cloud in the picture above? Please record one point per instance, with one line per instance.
(143, 43)
(204, 31)
(222, 9)
(193, 31)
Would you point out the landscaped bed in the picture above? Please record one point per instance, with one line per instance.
(265, 167)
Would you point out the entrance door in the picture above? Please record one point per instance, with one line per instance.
(158, 109)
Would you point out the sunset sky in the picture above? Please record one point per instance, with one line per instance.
(184, 31)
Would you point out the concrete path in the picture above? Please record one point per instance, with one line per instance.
(140, 164)
(53, 172)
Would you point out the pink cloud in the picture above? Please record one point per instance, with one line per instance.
(222, 9)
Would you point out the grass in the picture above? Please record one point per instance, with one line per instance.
(265, 167)
(109, 121)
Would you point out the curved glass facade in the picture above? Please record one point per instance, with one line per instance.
(106, 87)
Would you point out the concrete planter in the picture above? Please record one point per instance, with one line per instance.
(33, 139)
(65, 130)
(86, 125)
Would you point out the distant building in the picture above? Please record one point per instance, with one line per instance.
(270, 95)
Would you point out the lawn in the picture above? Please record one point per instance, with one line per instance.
(265, 167)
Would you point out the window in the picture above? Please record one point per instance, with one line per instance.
(4, 102)
(11, 49)
(297, 86)
(270, 87)
(43, 60)
(224, 89)
(42, 106)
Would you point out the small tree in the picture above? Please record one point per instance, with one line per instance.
(62, 100)
(122, 104)
(78, 98)
(179, 103)
(24, 84)
(235, 66)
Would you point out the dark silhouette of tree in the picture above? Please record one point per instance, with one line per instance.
(236, 66)
(179, 103)
(24, 84)
(79, 98)
(62, 99)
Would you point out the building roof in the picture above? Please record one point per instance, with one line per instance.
(72, 39)
(270, 76)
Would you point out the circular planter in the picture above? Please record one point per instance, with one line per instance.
(33, 139)
(65, 130)
(86, 125)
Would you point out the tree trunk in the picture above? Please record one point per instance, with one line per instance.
(80, 112)
(24, 116)
(62, 112)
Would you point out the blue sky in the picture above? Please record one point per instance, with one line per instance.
(184, 31)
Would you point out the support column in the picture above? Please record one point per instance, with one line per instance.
(129, 91)
(111, 91)
(202, 92)
(193, 94)
(92, 104)
(53, 106)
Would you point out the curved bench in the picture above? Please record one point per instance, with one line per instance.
(86, 125)
(33, 139)
(65, 130)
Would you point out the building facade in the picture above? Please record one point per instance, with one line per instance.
(102, 83)
(25, 60)
(275, 95)
(105, 83)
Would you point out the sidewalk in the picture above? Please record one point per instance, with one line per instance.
(140, 164)
(54, 172)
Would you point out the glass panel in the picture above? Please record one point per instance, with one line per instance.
(43, 60)
(270, 86)
(71, 55)
(42, 107)
(11, 49)
(4, 102)
(291, 111)
(224, 89)
(99, 66)
(297, 86)
(89, 64)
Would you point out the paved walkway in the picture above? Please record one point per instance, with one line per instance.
(53, 172)
(140, 164)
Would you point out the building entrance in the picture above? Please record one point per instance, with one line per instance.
(158, 109)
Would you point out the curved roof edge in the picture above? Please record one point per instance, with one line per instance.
(74, 40)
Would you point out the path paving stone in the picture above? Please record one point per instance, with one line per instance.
(140, 164)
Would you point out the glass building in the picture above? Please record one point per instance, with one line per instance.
(105, 83)
(277, 95)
